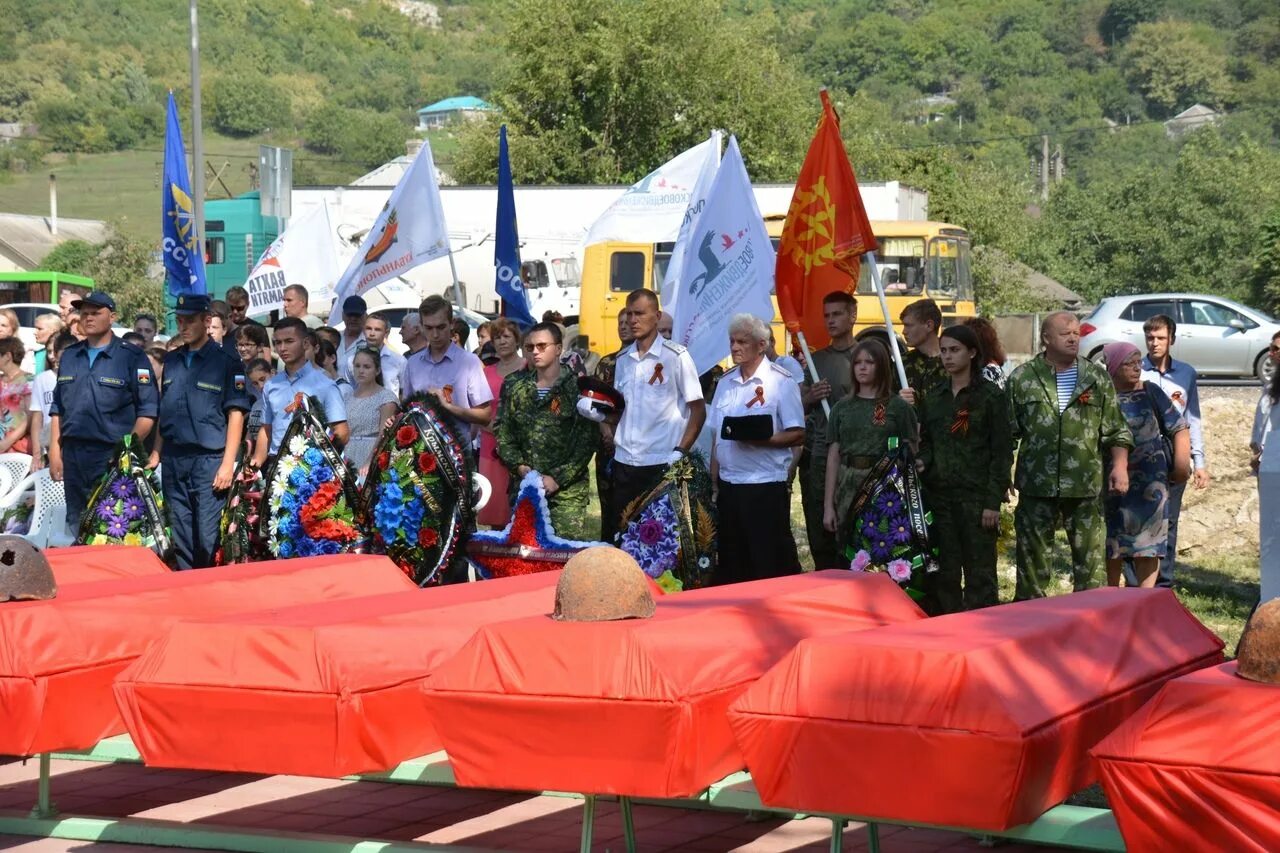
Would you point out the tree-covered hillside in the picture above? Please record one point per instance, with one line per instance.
(956, 97)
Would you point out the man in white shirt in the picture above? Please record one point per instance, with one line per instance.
(375, 338)
(751, 469)
(354, 312)
(664, 406)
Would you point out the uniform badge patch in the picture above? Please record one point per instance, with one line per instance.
(239, 382)
(144, 376)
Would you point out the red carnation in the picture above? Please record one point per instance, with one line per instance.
(428, 538)
(384, 460)
(427, 462)
(405, 436)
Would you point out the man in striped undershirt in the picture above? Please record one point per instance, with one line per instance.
(1066, 419)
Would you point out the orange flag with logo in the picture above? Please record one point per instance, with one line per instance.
(826, 232)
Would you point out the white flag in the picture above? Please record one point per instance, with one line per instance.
(650, 211)
(304, 254)
(729, 266)
(697, 201)
(409, 231)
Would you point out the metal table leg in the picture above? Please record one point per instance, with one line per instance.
(588, 822)
(628, 824)
(44, 807)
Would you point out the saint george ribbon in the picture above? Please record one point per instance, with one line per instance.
(758, 399)
(826, 233)
(960, 426)
(657, 375)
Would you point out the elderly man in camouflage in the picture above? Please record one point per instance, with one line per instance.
(539, 429)
(1065, 416)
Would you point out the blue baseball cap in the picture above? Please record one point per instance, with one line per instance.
(97, 299)
(192, 303)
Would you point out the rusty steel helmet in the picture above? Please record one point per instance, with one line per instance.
(602, 584)
(24, 572)
(1258, 656)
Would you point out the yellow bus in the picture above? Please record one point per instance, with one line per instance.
(917, 259)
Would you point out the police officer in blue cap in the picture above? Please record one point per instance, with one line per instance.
(202, 411)
(105, 391)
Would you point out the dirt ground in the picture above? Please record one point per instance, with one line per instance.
(1224, 517)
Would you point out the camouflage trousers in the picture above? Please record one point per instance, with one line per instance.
(812, 474)
(966, 550)
(568, 509)
(1034, 523)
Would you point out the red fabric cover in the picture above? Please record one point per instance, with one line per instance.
(325, 689)
(980, 719)
(90, 563)
(635, 707)
(1198, 766)
(58, 657)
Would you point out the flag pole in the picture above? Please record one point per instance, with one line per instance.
(870, 257)
(813, 371)
(197, 134)
(457, 286)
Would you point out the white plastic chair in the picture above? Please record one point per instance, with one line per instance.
(49, 513)
(13, 468)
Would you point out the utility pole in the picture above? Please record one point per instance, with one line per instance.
(1043, 164)
(197, 139)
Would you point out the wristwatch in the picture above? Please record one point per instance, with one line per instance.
(680, 450)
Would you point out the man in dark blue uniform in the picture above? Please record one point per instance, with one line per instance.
(105, 391)
(202, 411)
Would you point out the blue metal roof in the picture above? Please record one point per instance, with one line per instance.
(461, 102)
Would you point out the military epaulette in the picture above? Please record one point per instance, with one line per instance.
(133, 348)
(674, 347)
(778, 369)
(732, 370)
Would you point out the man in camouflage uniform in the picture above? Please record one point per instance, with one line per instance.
(835, 374)
(605, 370)
(539, 429)
(921, 325)
(1065, 415)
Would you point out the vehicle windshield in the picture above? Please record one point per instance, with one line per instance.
(949, 273)
(567, 272)
(534, 274)
(901, 262)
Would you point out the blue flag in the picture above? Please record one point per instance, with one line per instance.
(182, 248)
(506, 246)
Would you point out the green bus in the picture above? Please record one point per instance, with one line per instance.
(30, 290)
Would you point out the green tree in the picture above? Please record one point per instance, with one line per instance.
(1265, 280)
(246, 103)
(70, 256)
(1175, 67)
(122, 266)
(604, 90)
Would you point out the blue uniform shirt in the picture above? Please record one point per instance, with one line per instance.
(279, 393)
(197, 398)
(102, 402)
(1178, 381)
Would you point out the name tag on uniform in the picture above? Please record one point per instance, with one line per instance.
(144, 376)
(66, 379)
(111, 380)
(209, 386)
(239, 382)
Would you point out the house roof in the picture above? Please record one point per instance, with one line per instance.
(1196, 111)
(27, 239)
(461, 102)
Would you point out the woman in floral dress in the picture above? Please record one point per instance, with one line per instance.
(15, 397)
(369, 406)
(1138, 521)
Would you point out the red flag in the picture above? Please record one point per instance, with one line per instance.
(826, 232)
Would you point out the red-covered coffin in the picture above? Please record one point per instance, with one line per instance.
(635, 707)
(90, 563)
(981, 719)
(1198, 767)
(325, 689)
(59, 657)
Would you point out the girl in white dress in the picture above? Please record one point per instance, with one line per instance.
(1266, 461)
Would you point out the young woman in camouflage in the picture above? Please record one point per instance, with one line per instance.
(539, 429)
(858, 434)
(966, 457)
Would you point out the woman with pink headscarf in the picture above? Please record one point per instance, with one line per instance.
(1138, 521)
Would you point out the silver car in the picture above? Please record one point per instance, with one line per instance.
(1216, 336)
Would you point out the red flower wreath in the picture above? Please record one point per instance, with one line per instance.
(384, 460)
(428, 538)
(427, 463)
